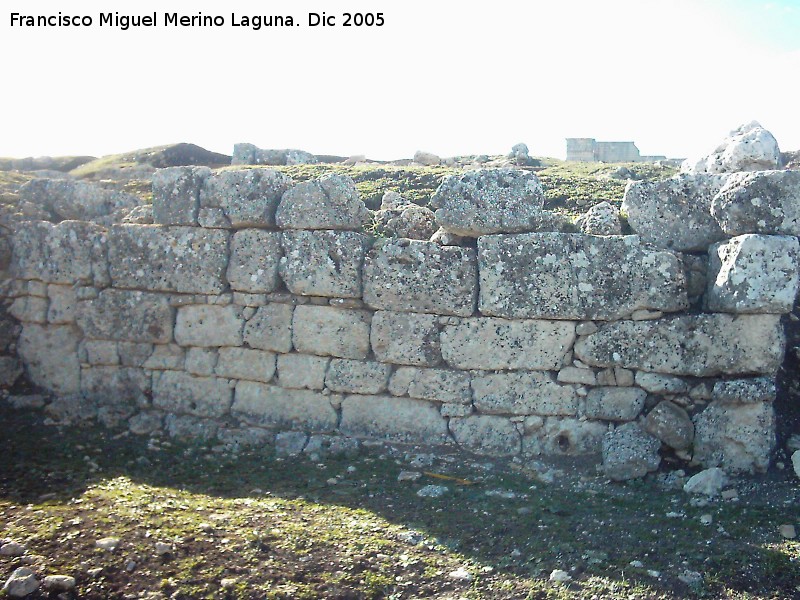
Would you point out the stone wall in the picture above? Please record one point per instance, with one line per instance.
(256, 305)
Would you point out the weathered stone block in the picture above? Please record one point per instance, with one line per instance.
(275, 406)
(201, 361)
(176, 194)
(243, 363)
(415, 276)
(134, 354)
(558, 436)
(661, 384)
(63, 304)
(489, 343)
(189, 260)
(29, 309)
(670, 424)
(50, 356)
(328, 331)
(406, 338)
(116, 385)
(575, 276)
(245, 198)
(66, 253)
(489, 201)
(102, 352)
(437, 385)
(523, 393)
(754, 274)
(698, 345)
(674, 213)
(393, 419)
(577, 375)
(487, 434)
(129, 316)
(166, 357)
(10, 370)
(186, 427)
(357, 377)
(270, 328)
(615, 403)
(744, 391)
(630, 452)
(302, 371)
(206, 326)
(255, 255)
(330, 202)
(738, 438)
(174, 391)
(323, 263)
(760, 202)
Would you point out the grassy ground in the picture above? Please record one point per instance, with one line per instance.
(254, 526)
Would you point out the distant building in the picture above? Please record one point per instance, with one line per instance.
(590, 150)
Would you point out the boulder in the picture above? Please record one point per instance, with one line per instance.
(427, 159)
(753, 274)
(245, 197)
(488, 201)
(765, 202)
(248, 154)
(630, 452)
(674, 213)
(330, 202)
(323, 263)
(490, 343)
(708, 482)
(736, 437)
(670, 424)
(416, 276)
(702, 345)
(412, 222)
(601, 219)
(569, 276)
(750, 147)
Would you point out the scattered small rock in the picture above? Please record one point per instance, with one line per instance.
(559, 576)
(691, 578)
(59, 583)
(228, 583)
(12, 549)
(433, 491)
(108, 543)
(654, 573)
(95, 572)
(461, 574)
(130, 566)
(411, 537)
(21, 583)
(706, 519)
(731, 494)
(163, 548)
(708, 482)
(787, 531)
(637, 564)
(796, 462)
(411, 476)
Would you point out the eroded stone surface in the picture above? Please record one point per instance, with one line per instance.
(396, 419)
(323, 263)
(615, 403)
(738, 438)
(244, 198)
(562, 436)
(176, 194)
(206, 325)
(749, 147)
(328, 331)
(50, 355)
(754, 274)
(490, 343)
(262, 404)
(171, 259)
(671, 424)
(357, 377)
(416, 276)
(302, 371)
(270, 328)
(697, 345)
(765, 202)
(523, 393)
(128, 316)
(406, 338)
(255, 255)
(744, 391)
(629, 452)
(436, 385)
(574, 276)
(487, 434)
(330, 202)
(244, 363)
(178, 392)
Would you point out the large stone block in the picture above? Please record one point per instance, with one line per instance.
(406, 338)
(302, 371)
(674, 213)
(615, 403)
(415, 276)
(178, 392)
(330, 202)
(489, 201)
(490, 343)
(630, 452)
(244, 363)
(176, 194)
(762, 202)
(328, 331)
(436, 385)
(63, 304)
(209, 325)
(261, 404)
(111, 385)
(523, 393)
(698, 345)
(560, 436)
(246, 197)
(189, 260)
(29, 309)
(253, 266)
(270, 328)
(128, 316)
(487, 434)
(67, 253)
(50, 356)
(357, 377)
(576, 276)
(393, 419)
(323, 263)
(754, 274)
(737, 437)
(69, 199)
(671, 424)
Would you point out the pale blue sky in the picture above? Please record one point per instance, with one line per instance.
(441, 75)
